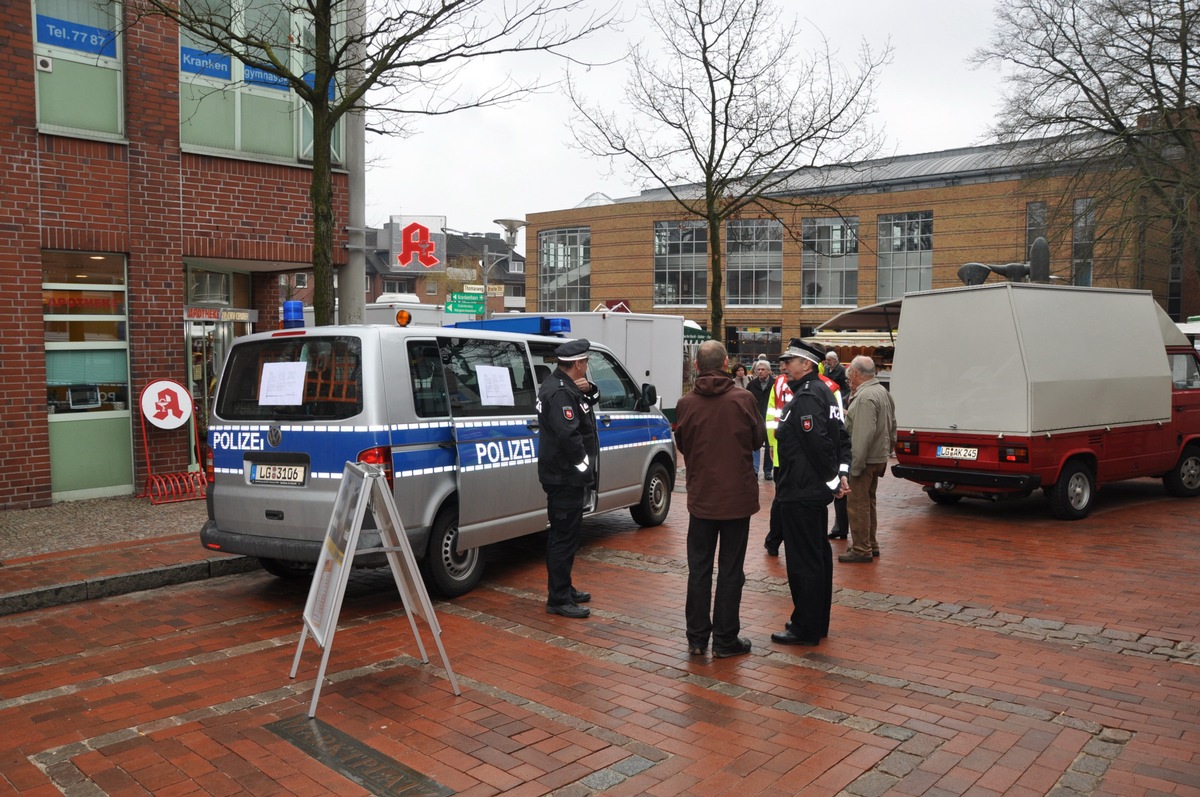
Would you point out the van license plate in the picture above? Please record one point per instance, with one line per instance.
(957, 452)
(277, 474)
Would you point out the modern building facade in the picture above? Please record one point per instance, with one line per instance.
(841, 237)
(152, 196)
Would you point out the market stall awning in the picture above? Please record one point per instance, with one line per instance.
(881, 316)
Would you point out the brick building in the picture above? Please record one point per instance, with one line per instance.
(151, 197)
(890, 226)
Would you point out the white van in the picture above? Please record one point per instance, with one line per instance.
(450, 414)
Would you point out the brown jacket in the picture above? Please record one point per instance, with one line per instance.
(718, 427)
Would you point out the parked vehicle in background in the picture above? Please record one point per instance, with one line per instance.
(449, 414)
(1004, 389)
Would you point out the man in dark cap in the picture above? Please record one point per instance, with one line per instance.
(568, 454)
(814, 461)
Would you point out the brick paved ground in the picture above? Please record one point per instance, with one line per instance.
(991, 650)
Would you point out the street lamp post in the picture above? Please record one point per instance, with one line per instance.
(485, 266)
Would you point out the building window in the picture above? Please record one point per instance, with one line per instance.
(1175, 270)
(225, 105)
(830, 261)
(753, 263)
(77, 60)
(680, 263)
(515, 265)
(1083, 241)
(515, 290)
(565, 270)
(431, 287)
(905, 259)
(1035, 224)
(302, 279)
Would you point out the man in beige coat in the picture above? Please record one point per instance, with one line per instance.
(871, 421)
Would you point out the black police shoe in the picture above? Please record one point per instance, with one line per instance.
(568, 610)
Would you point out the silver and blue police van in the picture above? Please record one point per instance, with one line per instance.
(449, 415)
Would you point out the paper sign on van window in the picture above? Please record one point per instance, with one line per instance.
(282, 384)
(495, 388)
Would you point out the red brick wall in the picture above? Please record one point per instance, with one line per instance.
(146, 199)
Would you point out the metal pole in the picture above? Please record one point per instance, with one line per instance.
(485, 281)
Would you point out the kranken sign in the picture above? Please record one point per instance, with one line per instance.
(418, 243)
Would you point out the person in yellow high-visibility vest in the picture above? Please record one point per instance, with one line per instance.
(781, 394)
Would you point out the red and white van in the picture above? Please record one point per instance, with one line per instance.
(1004, 389)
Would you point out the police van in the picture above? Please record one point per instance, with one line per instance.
(449, 415)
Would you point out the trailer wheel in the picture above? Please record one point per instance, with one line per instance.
(656, 498)
(1072, 495)
(449, 572)
(1184, 479)
(943, 499)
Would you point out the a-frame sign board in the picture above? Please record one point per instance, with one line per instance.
(363, 485)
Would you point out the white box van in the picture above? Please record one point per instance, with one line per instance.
(450, 414)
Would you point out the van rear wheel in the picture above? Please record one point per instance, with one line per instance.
(1184, 479)
(291, 571)
(656, 498)
(1072, 495)
(449, 572)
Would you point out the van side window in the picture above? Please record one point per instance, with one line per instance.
(487, 377)
(1184, 373)
(617, 391)
(428, 381)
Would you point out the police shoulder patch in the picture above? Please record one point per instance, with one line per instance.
(568, 413)
(806, 421)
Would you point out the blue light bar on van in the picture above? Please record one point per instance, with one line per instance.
(524, 325)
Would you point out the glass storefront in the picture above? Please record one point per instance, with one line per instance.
(87, 374)
(214, 314)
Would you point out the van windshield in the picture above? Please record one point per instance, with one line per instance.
(318, 378)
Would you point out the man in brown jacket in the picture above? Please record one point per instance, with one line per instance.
(871, 421)
(718, 429)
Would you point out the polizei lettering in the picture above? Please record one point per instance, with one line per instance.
(504, 451)
(238, 441)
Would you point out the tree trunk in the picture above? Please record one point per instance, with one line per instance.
(716, 268)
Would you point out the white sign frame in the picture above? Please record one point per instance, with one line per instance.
(362, 485)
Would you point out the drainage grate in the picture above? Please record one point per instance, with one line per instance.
(354, 760)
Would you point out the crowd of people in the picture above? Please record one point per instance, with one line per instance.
(821, 431)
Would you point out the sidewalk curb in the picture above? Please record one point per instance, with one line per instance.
(122, 583)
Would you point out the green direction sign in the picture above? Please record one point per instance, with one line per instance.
(467, 303)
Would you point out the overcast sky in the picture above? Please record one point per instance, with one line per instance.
(480, 165)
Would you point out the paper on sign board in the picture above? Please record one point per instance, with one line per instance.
(282, 384)
(495, 387)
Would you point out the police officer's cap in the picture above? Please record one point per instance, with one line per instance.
(798, 348)
(573, 350)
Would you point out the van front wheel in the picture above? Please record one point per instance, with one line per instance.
(1072, 495)
(1184, 479)
(449, 572)
(656, 498)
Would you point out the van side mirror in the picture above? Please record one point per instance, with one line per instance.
(649, 397)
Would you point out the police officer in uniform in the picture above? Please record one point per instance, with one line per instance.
(814, 458)
(568, 458)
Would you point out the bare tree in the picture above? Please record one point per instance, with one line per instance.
(730, 112)
(1107, 94)
(391, 59)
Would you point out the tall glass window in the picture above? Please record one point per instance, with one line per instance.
(905, 259)
(565, 270)
(1035, 224)
(680, 263)
(1083, 241)
(225, 105)
(77, 58)
(1175, 270)
(830, 261)
(753, 263)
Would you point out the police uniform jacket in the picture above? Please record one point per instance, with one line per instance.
(814, 446)
(567, 432)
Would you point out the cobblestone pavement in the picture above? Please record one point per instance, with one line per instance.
(989, 651)
(69, 525)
